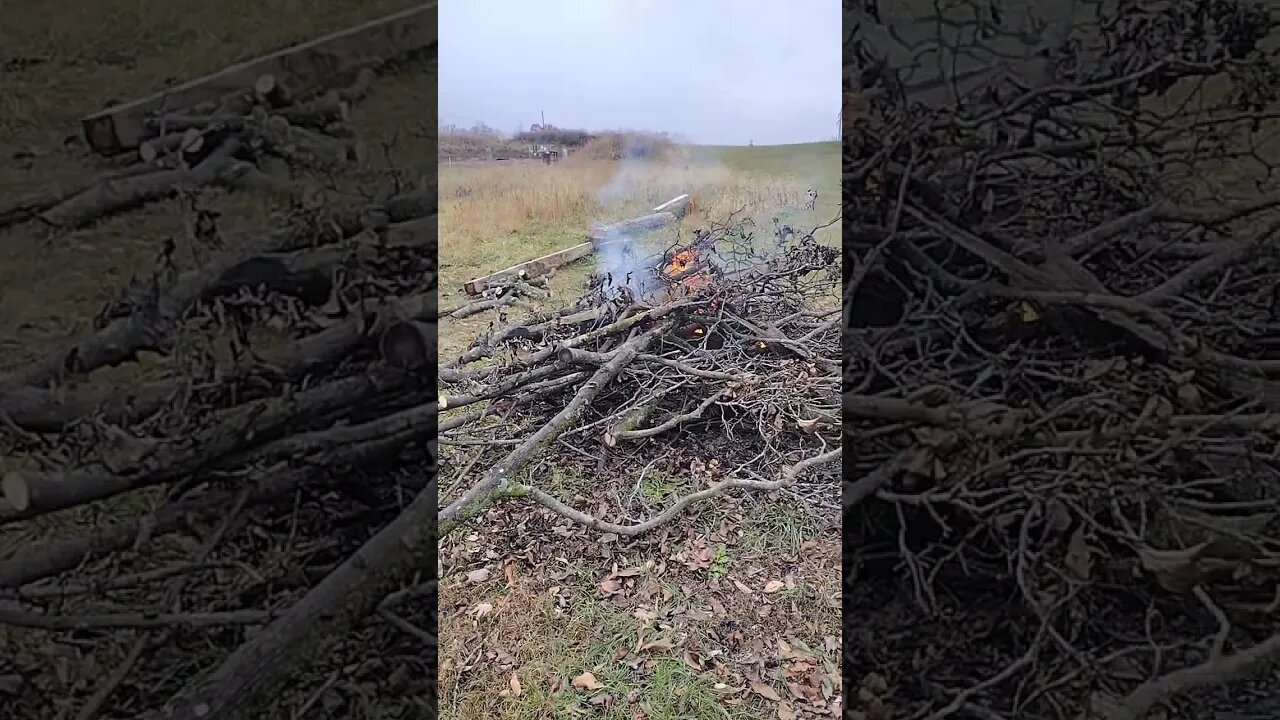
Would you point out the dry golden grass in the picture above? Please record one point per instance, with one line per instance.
(482, 201)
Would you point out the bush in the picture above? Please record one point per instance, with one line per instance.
(555, 136)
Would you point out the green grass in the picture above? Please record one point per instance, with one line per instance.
(720, 564)
(587, 636)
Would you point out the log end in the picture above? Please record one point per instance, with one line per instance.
(564, 355)
(265, 85)
(16, 491)
(404, 345)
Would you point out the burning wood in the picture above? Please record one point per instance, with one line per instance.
(685, 270)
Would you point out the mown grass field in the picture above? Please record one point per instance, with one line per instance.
(694, 633)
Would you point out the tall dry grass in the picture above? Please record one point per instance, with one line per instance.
(482, 203)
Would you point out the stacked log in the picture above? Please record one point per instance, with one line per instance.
(229, 142)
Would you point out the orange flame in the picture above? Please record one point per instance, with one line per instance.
(682, 261)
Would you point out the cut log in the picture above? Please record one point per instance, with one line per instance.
(308, 274)
(189, 141)
(34, 493)
(41, 410)
(115, 195)
(35, 561)
(531, 268)
(407, 344)
(303, 147)
(271, 91)
(307, 67)
(31, 206)
(181, 122)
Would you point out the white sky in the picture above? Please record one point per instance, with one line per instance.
(713, 71)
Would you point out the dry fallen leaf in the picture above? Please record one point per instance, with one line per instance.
(1175, 570)
(478, 576)
(765, 692)
(774, 586)
(587, 681)
(1189, 397)
(515, 685)
(786, 712)
(482, 609)
(658, 646)
(1079, 558)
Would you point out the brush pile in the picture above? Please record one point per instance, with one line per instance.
(246, 501)
(1062, 381)
(713, 360)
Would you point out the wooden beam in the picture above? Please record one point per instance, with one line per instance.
(532, 268)
(677, 206)
(308, 67)
(665, 214)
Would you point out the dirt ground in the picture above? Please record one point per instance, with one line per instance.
(61, 61)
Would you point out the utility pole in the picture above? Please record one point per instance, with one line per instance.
(544, 117)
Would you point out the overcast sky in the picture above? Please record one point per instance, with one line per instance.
(715, 71)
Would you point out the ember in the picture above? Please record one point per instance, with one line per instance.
(682, 270)
(682, 261)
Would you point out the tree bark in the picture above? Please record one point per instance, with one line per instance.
(343, 599)
(32, 494)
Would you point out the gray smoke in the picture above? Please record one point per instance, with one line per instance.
(623, 264)
(621, 260)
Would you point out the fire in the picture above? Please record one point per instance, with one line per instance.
(682, 262)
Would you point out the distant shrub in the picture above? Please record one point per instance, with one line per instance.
(555, 136)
